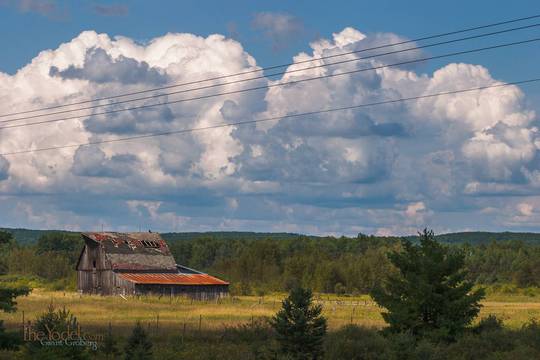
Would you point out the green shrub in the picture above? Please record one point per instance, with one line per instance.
(340, 289)
(509, 289)
(530, 334)
(489, 323)
(257, 330)
(139, 346)
(354, 342)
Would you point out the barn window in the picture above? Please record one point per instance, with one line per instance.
(150, 243)
(94, 264)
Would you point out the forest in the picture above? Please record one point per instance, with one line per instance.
(257, 264)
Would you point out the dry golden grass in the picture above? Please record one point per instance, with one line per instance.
(165, 313)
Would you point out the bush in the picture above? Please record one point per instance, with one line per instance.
(139, 346)
(340, 289)
(257, 330)
(8, 340)
(354, 342)
(531, 334)
(509, 289)
(240, 288)
(530, 291)
(487, 324)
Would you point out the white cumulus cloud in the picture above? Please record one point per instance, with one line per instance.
(381, 169)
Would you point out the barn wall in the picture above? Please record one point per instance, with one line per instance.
(94, 275)
(96, 282)
(92, 252)
(202, 292)
(122, 286)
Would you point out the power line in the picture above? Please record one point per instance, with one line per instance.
(246, 122)
(269, 75)
(275, 66)
(272, 85)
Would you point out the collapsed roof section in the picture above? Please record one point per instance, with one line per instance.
(134, 251)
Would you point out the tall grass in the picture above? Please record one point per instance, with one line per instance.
(162, 313)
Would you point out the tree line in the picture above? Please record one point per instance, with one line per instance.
(258, 265)
(343, 265)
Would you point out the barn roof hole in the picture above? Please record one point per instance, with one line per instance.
(150, 243)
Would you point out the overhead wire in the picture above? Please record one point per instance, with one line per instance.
(274, 118)
(271, 67)
(268, 86)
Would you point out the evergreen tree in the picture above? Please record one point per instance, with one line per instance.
(8, 294)
(430, 295)
(110, 348)
(5, 238)
(8, 340)
(59, 321)
(139, 346)
(299, 325)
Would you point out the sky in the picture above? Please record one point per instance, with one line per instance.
(466, 161)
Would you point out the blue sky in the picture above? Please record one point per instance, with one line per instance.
(336, 175)
(28, 32)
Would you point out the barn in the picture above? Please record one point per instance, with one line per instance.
(139, 263)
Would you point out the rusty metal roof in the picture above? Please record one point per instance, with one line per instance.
(172, 279)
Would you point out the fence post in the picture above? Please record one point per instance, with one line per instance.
(184, 333)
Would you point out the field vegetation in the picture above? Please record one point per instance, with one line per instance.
(236, 323)
(97, 311)
(341, 272)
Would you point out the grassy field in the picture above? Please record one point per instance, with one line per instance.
(165, 314)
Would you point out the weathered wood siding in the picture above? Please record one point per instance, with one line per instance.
(94, 275)
(201, 292)
(122, 287)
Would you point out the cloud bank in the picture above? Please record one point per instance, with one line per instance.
(456, 162)
(47, 8)
(111, 10)
(280, 28)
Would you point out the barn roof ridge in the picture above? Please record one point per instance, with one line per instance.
(134, 251)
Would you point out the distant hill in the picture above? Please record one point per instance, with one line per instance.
(483, 237)
(26, 236)
(228, 235)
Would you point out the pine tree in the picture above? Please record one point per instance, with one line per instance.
(299, 326)
(429, 296)
(8, 294)
(60, 320)
(109, 348)
(139, 346)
